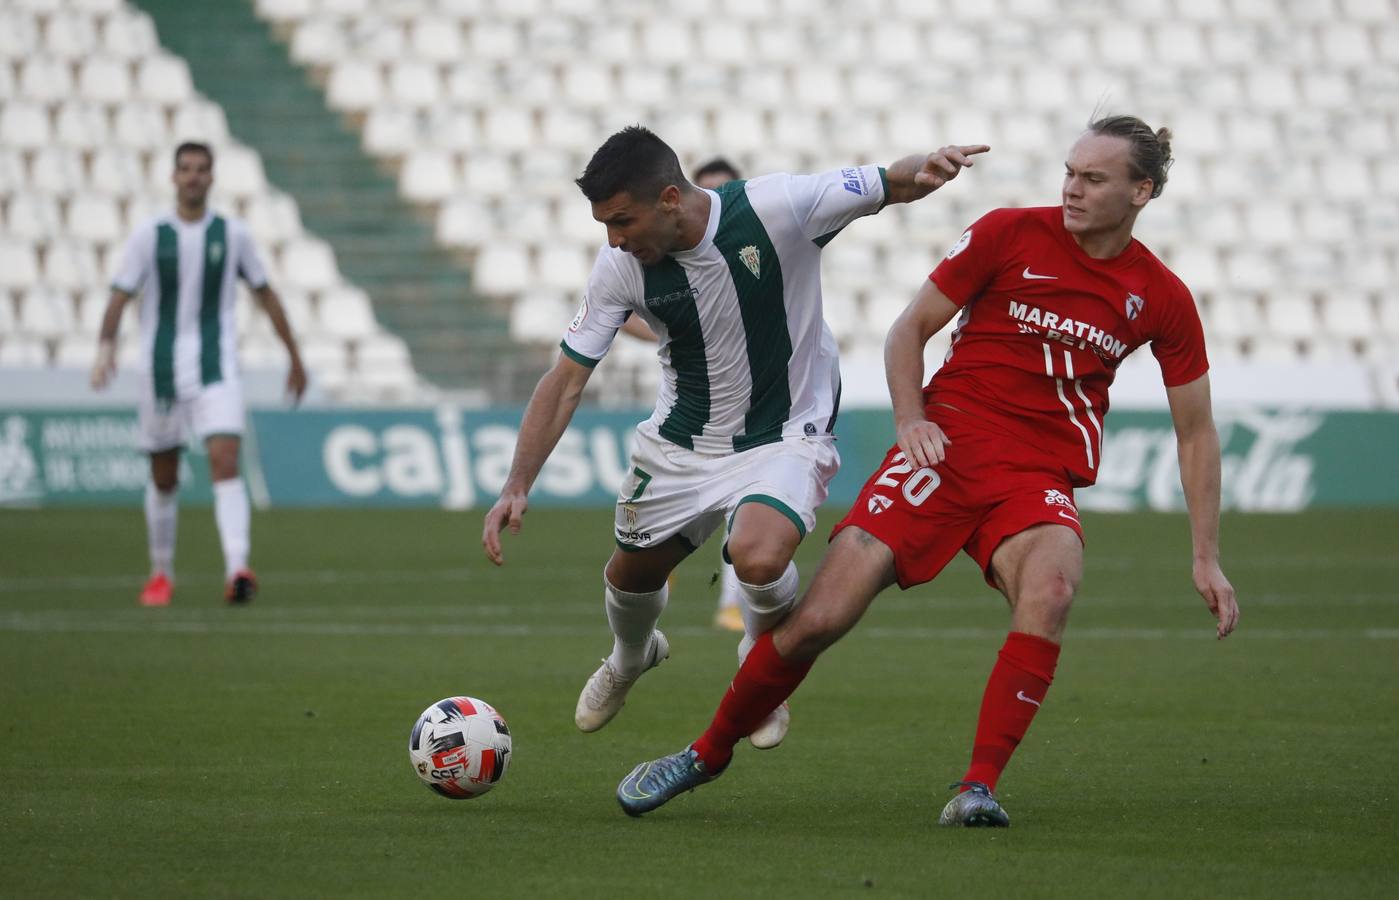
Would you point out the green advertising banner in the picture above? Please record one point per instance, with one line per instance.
(1273, 460)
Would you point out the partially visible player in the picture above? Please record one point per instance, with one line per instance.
(742, 431)
(1050, 301)
(729, 615)
(185, 264)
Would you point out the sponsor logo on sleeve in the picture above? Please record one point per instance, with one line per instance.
(962, 243)
(579, 319)
(854, 181)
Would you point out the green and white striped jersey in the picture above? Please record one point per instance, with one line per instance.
(746, 356)
(186, 273)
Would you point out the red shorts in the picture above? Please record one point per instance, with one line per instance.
(988, 488)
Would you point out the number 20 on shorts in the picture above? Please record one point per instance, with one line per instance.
(917, 487)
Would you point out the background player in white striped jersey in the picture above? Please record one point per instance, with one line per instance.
(742, 431)
(186, 265)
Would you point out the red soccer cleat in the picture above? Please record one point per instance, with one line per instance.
(241, 588)
(157, 591)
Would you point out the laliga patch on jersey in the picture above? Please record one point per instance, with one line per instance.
(962, 243)
(582, 315)
(854, 181)
(1134, 305)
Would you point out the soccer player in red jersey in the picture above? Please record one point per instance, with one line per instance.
(1048, 302)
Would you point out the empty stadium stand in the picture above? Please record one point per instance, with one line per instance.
(461, 123)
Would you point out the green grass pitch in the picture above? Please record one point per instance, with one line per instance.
(261, 752)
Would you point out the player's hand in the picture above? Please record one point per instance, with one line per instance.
(942, 166)
(1218, 594)
(296, 381)
(922, 442)
(105, 366)
(509, 510)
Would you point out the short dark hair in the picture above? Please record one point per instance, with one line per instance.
(1151, 150)
(716, 166)
(194, 147)
(633, 161)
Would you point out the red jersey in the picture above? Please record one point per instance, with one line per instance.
(1044, 327)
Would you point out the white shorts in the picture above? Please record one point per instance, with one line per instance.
(216, 409)
(673, 491)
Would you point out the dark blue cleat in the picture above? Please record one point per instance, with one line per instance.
(652, 784)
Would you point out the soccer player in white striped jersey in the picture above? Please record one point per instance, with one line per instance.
(184, 265)
(742, 431)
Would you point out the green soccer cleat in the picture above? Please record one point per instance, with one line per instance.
(652, 784)
(974, 808)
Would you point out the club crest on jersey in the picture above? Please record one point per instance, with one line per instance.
(962, 243)
(215, 253)
(750, 258)
(878, 503)
(1134, 305)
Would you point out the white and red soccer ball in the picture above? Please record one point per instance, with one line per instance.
(460, 747)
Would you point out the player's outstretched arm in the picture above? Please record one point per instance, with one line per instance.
(922, 442)
(272, 305)
(549, 411)
(105, 366)
(1197, 444)
(915, 177)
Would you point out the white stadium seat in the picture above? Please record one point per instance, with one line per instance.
(1349, 316)
(116, 171)
(57, 171)
(45, 313)
(76, 351)
(309, 264)
(141, 126)
(355, 85)
(540, 318)
(129, 34)
(105, 79)
(414, 83)
(19, 34)
(22, 352)
(390, 131)
(285, 10)
(165, 79)
(274, 218)
(563, 267)
(346, 312)
(463, 222)
(33, 216)
(437, 39)
(94, 218)
(238, 171)
(45, 79)
(319, 42)
(200, 120)
(502, 269)
(428, 176)
(24, 125)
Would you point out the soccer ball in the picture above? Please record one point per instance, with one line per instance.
(460, 747)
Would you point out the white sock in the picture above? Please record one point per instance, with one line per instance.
(766, 605)
(729, 589)
(234, 519)
(162, 512)
(633, 617)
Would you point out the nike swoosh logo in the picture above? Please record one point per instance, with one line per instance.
(1028, 274)
(1020, 695)
(1067, 516)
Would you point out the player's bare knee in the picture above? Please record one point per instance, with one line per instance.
(166, 484)
(755, 563)
(1050, 595)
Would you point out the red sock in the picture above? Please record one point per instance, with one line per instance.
(1014, 692)
(763, 681)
